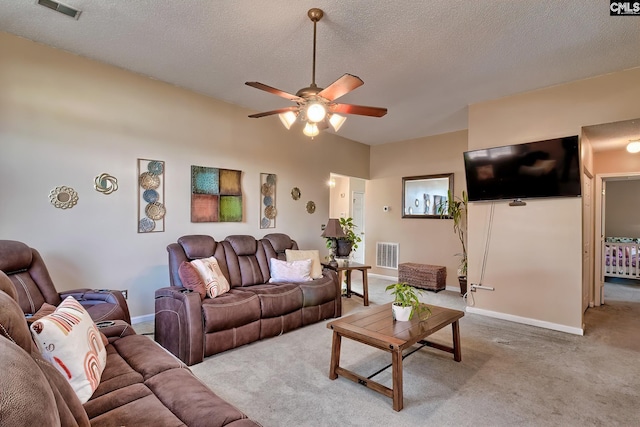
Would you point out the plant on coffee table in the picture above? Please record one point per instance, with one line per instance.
(406, 301)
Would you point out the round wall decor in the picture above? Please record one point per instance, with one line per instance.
(63, 197)
(105, 183)
(311, 207)
(295, 193)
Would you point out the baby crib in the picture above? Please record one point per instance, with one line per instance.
(620, 257)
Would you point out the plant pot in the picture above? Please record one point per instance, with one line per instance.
(344, 248)
(463, 284)
(400, 313)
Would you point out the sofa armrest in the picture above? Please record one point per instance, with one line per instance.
(330, 272)
(115, 329)
(91, 299)
(179, 323)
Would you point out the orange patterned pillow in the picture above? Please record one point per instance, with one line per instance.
(70, 340)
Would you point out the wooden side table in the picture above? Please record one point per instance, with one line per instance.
(347, 268)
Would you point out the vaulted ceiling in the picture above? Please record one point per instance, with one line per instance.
(425, 61)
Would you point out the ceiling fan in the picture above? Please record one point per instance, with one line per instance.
(316, 106)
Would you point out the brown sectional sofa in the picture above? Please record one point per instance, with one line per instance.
(253, 309)
(142, 384)
(34, 287)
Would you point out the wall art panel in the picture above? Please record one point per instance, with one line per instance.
(151, 208)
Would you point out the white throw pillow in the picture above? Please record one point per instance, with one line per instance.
(294, 271)
(214, 281)
(70, 340)
(313, 255)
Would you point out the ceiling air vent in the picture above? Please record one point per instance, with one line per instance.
(59, 7)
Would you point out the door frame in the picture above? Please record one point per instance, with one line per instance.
(600, 203)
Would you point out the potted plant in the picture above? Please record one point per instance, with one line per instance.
(406, 302)
(456, 209)
(348, 243)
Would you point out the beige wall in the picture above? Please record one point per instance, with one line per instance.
(616, 161)
(428, 241)
(340, 206)
(534, 259)
(622, 207)
(65, 119)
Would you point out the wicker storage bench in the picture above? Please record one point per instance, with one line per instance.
(424, 276)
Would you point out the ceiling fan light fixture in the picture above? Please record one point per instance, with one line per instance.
(316, 112)
(336, 121)
(634, 146)
(288, 119)
(311, 129)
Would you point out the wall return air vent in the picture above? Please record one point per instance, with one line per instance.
(387, 255)
(59, 7)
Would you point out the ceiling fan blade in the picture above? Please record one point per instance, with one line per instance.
(358, 109)
(270, 113)
(340, 87)
(274, 91)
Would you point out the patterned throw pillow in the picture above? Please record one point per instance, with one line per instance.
(214, 281)
(190, 278)
(294, 271)
(313, 255)
(70, 340)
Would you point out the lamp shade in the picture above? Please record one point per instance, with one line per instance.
(333, 229)
(288, 118)
(336, 121)
(311, 129)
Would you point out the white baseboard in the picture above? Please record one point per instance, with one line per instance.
(143, 318)
(395, 279)
(382, 276)
(526, 321)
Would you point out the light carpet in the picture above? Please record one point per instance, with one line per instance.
(510, 374)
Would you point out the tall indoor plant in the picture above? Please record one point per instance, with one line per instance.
(456, 209)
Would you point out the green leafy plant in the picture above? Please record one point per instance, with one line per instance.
(456, 209)
(407, 296)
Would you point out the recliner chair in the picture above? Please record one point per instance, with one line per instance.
(34, 286)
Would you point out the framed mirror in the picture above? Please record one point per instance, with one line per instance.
(425, 196)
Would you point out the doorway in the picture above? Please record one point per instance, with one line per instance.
(615, 219)
(347, 200)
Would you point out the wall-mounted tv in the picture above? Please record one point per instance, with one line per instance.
(549, 168)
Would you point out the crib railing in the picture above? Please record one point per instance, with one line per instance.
(621, 260)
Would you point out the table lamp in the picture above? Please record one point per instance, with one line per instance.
(333, 231)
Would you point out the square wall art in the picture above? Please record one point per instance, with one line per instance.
(216, 195)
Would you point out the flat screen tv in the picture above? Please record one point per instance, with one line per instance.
(547, 168)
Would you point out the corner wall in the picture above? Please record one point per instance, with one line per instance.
(534, 259)
(65, 119)
(422, 240)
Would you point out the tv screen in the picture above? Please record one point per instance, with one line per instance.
(548, 168)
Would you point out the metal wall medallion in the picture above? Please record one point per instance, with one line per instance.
(63, 197)
(311, 207)
(295, 193)
(105, 183)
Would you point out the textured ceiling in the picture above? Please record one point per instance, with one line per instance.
(425, 61)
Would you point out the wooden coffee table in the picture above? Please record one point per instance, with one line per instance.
(376, 327)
